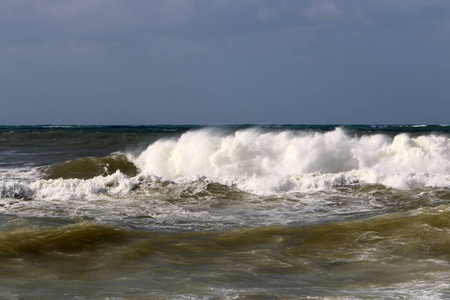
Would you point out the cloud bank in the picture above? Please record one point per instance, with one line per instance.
(227, 61)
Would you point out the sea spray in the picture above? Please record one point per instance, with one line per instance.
(300, 161)
(254, 160)
(252, 152)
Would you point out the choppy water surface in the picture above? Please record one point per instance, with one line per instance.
(231, 212)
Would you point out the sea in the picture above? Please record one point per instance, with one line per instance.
(225, 212)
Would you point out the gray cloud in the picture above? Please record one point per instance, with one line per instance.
(201, 61)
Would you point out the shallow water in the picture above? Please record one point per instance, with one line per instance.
(274, 212)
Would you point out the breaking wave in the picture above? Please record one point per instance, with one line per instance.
(254, 161)
(267, 162)
(255, 153)
(113, 185)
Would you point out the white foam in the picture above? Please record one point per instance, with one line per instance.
(265, 163)
(15, 189)
(116, 184)
(274, 162)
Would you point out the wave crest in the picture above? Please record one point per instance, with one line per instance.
(253, 161)
(250, 152)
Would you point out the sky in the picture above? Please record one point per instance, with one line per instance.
(224, 62)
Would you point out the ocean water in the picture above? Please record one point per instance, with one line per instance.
(225, 212)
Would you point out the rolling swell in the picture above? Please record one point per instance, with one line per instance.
(420, 234)
(401, 255)
(375, 256)
(66, 239)
(89, 167)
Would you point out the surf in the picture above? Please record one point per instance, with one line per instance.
(254, 160)
(283, 161)
(254, 152)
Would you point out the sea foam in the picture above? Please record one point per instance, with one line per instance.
(265, 163)
(251, 152)
(116, 184)
(285, 161)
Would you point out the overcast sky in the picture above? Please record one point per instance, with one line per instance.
(224, 61)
